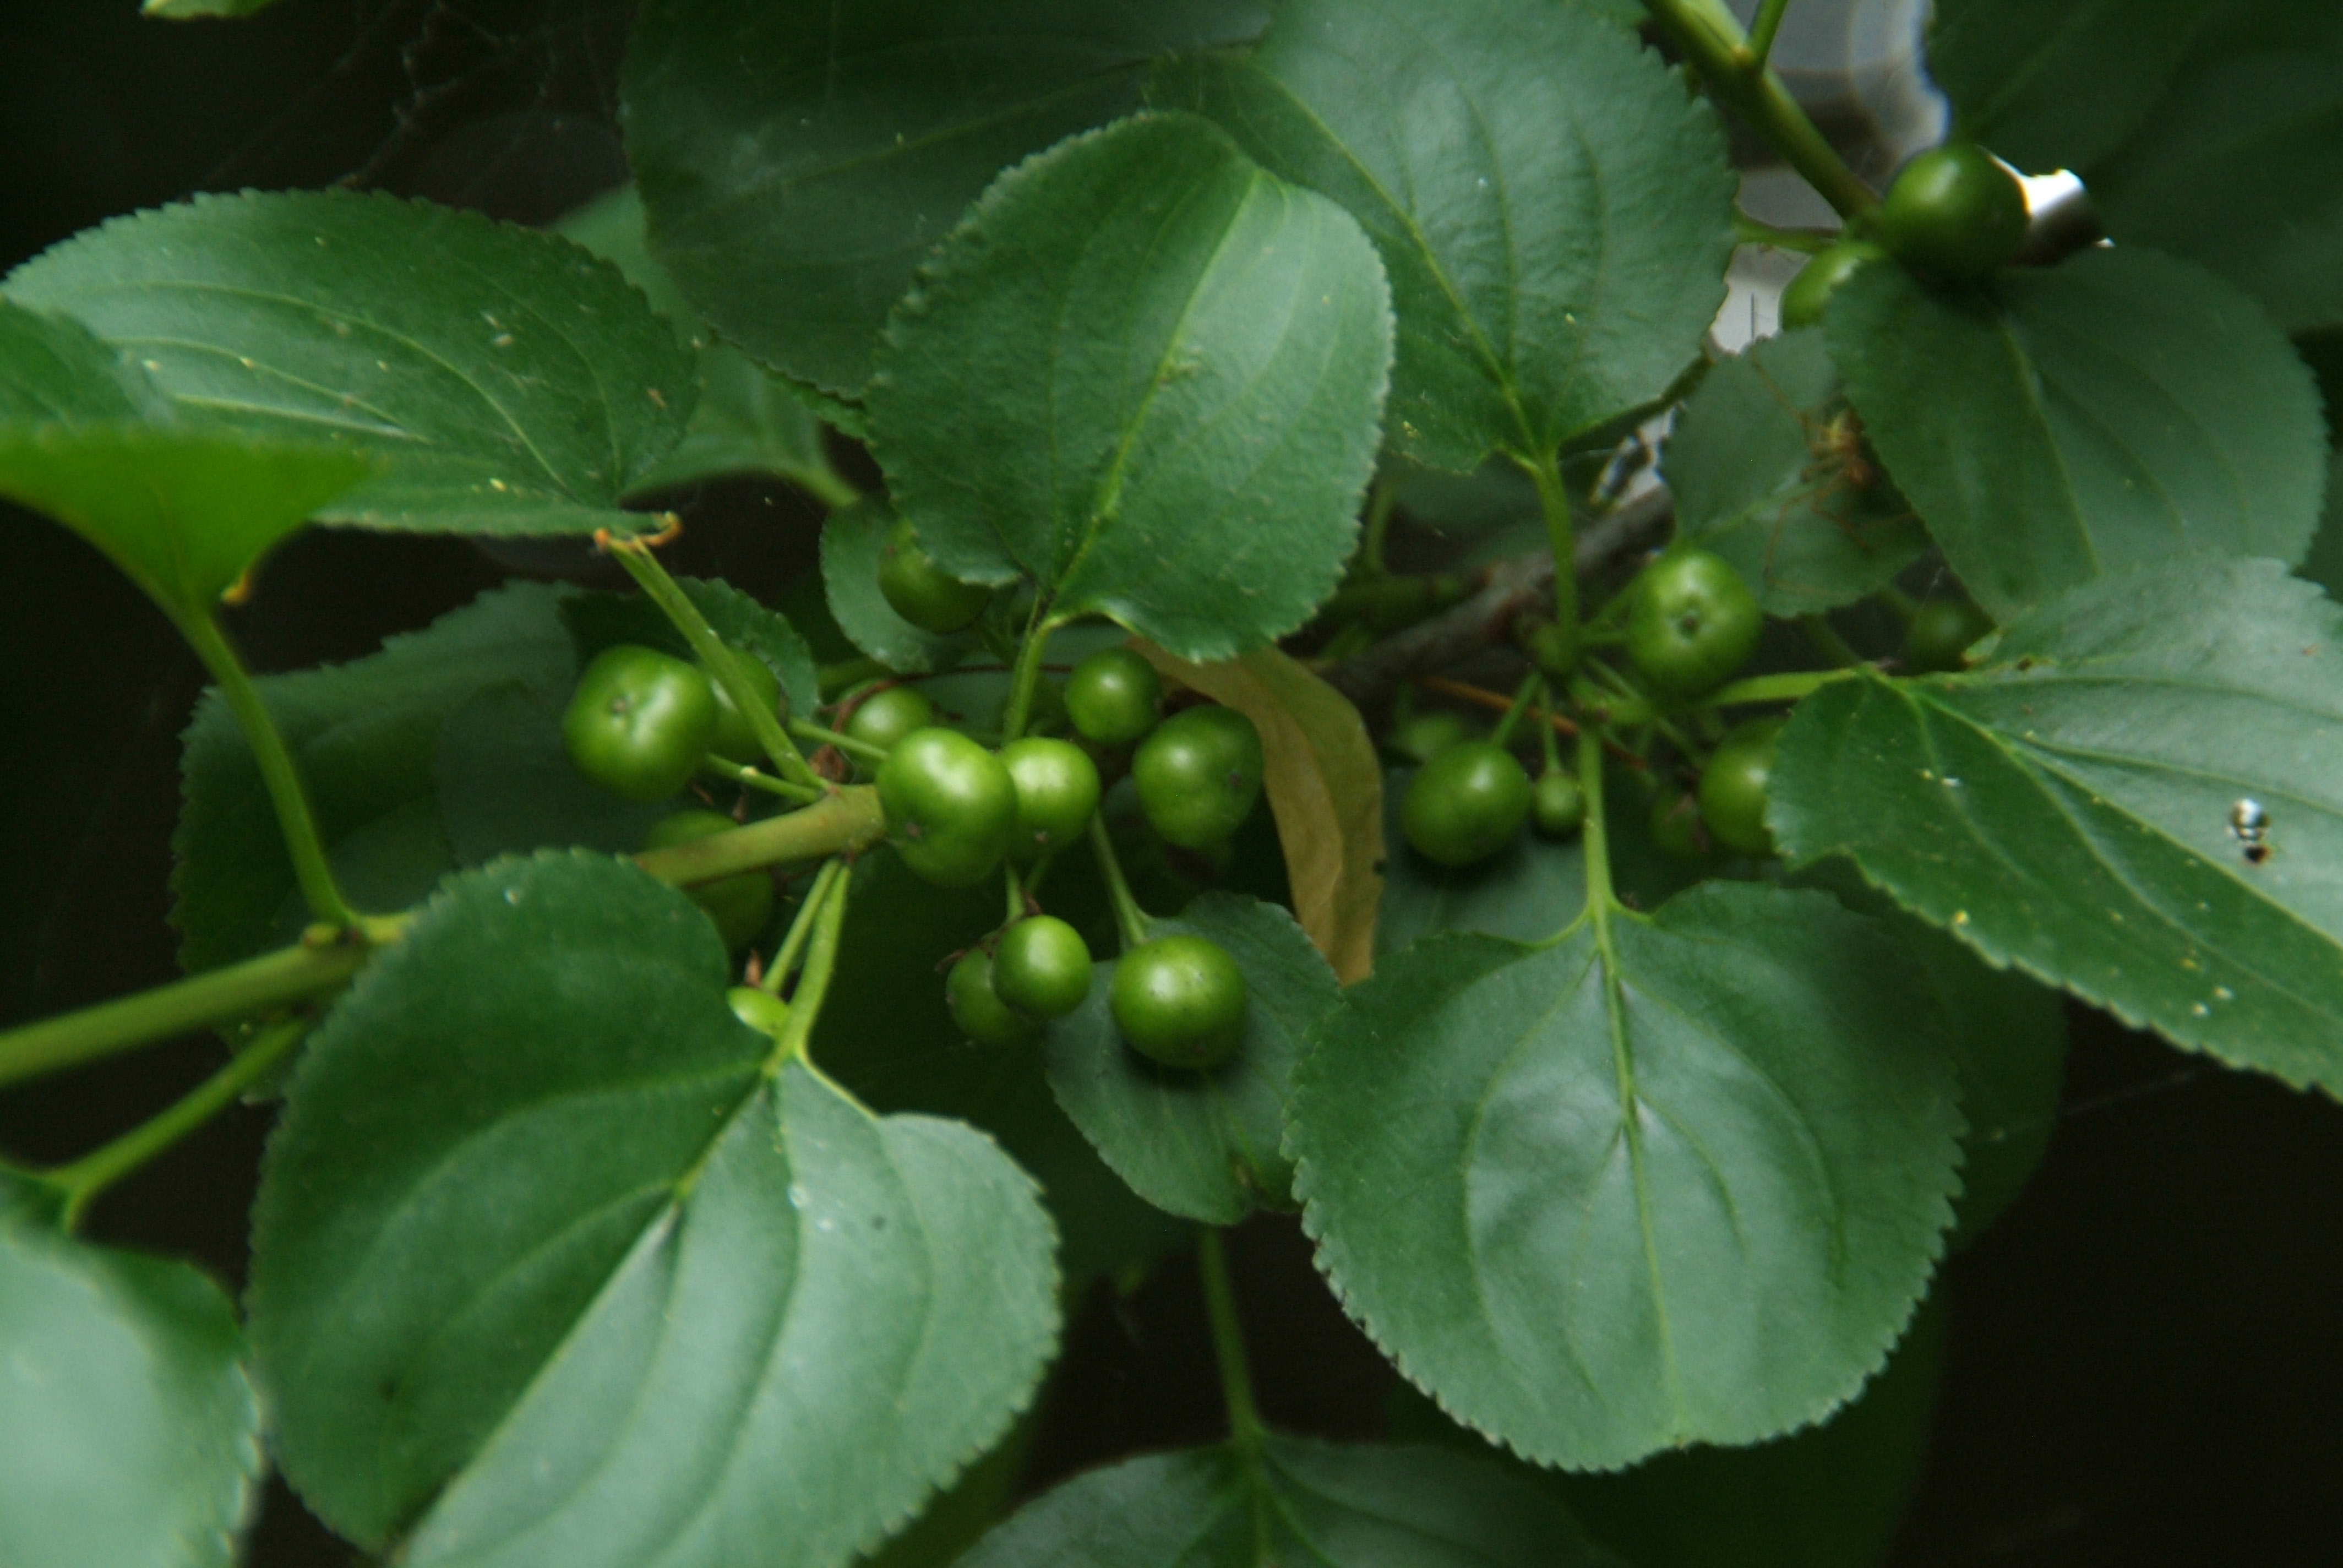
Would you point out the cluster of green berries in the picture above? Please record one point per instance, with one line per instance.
(956, 810)
(1953, 212)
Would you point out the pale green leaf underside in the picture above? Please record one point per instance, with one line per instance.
(1201, 1145)
(799, 158)
(1596, 1216)
(1183, 362)
(548, 1266)
(1552, 205)
(2115, 410)
(129, 1437)
(500, 381)
(1298, 1504)
(2069, 808)
(1753, 480)
(851, 543)
(184, 511)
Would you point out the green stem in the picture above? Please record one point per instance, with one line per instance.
(715, 657)
(1711, 40)
(823, 483)
(785, 957)
(1379, 502)
(1026, 677)
(1827, 641)
(1246, 1429)
(80, 1182)
(1561, 533)
(1748, 230)
(1549, 741)
(860, 750)
(200, 1001)
(1601, 899)
(842, 823)
(1129, 918)
(1016, 890)
(1760, 48)
(310, 866)
(821, 962)
(748, 778)
(1532, 685)
(1778, 687)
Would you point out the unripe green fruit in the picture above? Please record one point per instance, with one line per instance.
(765, 1014)
(735, 741)
(639, 723)
(1691, 622)
(923, 592)
(1676, 826)
(1465, 804)
(1179, 1000)
(1424, 736)
(950, 806)
(1809, 294)
(738, 905)
(1955, 212)
(1056, 792)
(1041, 967)
(1559, 805)
(1197, 775)
(1942, 631)
(978, 1010)
(1113, 696)
(884, 718)
(1733, 788)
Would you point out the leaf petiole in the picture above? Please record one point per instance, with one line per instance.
(1759, 50)
(1560, 532)
(1027, 675)
(751, 779)
(820, 964)
(1130, 920)
(1246, 1429)
(800, 930)
(860, 750)
(1532, 689)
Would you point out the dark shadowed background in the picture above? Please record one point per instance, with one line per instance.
(2146, 1357)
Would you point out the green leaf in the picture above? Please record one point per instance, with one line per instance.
(1553, 207)
(2068, 810)
(129, 1437)
(505, 785)
(363, 734)
(2324, 564)
(185, 513)
(2209, 128)
(600, 621)
(1297, 1503)
(552, 1263)
(852, 541)
(798, 159)
(2113, 411)
(887, 1036)
(1201, 1145)
(1756, 476)
(1181, 361)
(182, 10)
(53, 369)
(502, 381)
(1527, 891)
(746, 421)
(1684, 1190)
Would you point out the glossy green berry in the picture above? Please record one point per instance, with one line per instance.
(1691, 622)
(735, 741)
(1955, 212)
(883, 718)
(1942, 631)
(640, 723)
(923, 592)
(1179, 1000)
(1041, 967)
(1558, 807)
(950, 806)
(1197, 775)
(1113, 696)
(738, 905)
(1465, 804)
(1420, 737)
(1056, 792)
(1552, 647)
(1809, 293)
(978, 1010)
(1733, 788)
(765, 1014)
(1676, 825)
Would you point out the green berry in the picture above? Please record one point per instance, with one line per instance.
(885, 717)
(1420, 737)
(640, 723)
(1559, 805)
(765, 1014)
(1056, 792)
(923, 592)
(1941, 634)
(950, 806)
(1113, 696)
(1199, 775)
(978, 1010)
(1179, 1000)
(1042, 967)
(1465, 804)
(1692, 621)
(1733, 788)
(1953, 211)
